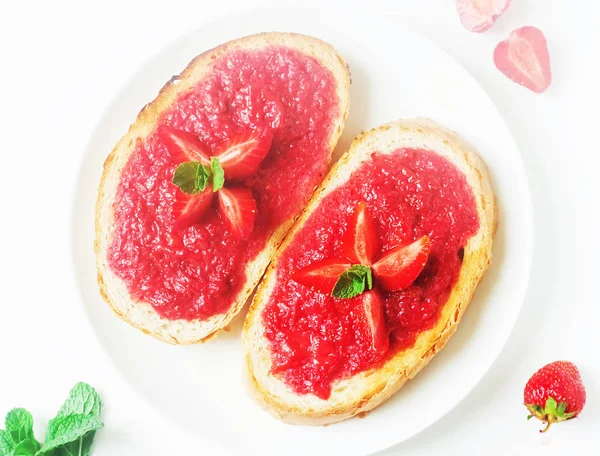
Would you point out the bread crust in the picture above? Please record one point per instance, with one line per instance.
(366, 390)
(141, 314)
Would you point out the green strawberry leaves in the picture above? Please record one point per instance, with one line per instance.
(353, 281)
(218, 174)
(70, 433)
(192, 177)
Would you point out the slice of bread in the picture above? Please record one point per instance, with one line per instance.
(366, 390)
(141, 314)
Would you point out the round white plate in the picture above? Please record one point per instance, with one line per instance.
(396, 73)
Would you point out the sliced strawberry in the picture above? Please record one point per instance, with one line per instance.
(189, 209)
(184, 146)
(480, 15)
(242, 154)
(238, 210)
(322, 275)
(524, 58)
(400, 266)
(369, 322)
(360, 242)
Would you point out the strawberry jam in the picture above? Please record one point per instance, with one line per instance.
(196, 272)
(315, 338)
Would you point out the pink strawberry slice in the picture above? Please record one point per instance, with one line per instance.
(524, 58)
(360, 242)
(479, 15)
(369, 322)
(322, 275)
(400, 266)
(184, 146)
(238, 210)
(189, 209)
(242, 154)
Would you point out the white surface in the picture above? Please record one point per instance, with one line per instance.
(208, 377)
(61, 65)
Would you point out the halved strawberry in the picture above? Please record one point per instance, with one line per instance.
(242, 154)
(400, 266)
(238, 210)
(524, 58)
(360, 242)
(189, 209)
(369, 322)
(184, 146)
(479, 15)
(322, 275)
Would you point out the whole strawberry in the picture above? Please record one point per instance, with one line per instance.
(555, 393)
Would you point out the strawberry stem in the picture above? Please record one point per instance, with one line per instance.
(549, 421)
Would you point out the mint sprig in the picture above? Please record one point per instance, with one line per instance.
(70, 433)
(218, 174)
(191, 177)
(353, 281)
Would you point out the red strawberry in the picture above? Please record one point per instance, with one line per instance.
(238, 210)
(400, 266)
(555, 393)
(524, 58)
(369, 322)
(184, 146)
(480, 15)
(360, 242)
(242, 154)
(322, 275)
(189, 209)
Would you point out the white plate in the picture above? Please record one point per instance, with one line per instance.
(395, 73)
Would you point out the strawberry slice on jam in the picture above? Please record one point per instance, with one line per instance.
(369, 323)
(184, 146)
(360, 242)
(400, 266)
(238, 210)
(189, 209)
(322, 275)
(242, 154)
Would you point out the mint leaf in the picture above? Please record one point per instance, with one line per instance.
(82, 400)
(352, 282)
(80, 447)
(218, 175)
(18, 439)
(191, 177)
(70, 430)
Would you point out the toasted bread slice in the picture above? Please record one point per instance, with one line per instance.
(368, 389)
(114, 290)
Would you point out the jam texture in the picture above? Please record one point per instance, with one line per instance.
(409, 193)
(197, 272)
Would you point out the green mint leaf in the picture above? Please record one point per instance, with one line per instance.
(218, 175)
(6, 444)
(18, 439)
(369, 279)
(352, 282)
(529, 417)
(82, 400)
(80, 447)
(68, 430)
(191, 177)
(72, 431)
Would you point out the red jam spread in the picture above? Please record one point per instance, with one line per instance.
(196, 273)
(409, 193)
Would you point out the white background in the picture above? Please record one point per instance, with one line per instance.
(61, 63)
